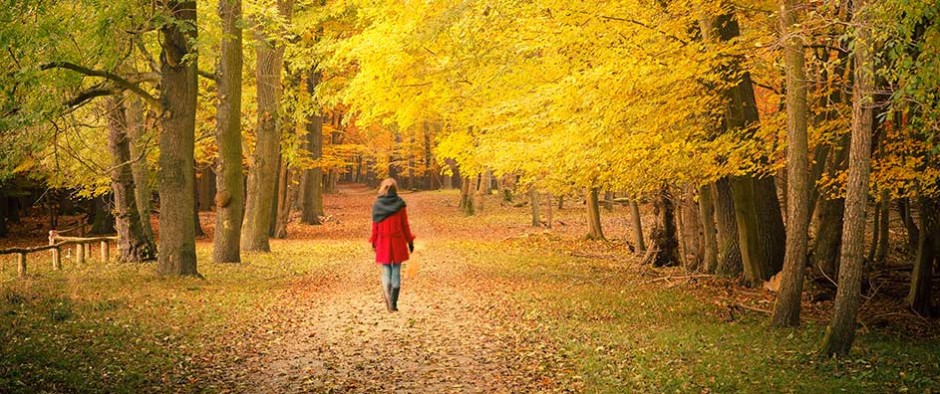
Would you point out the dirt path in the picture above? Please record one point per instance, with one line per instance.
(454, 333)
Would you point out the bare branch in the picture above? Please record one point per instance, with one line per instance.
(107, 75)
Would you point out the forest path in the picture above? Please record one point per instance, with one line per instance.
(454, 332)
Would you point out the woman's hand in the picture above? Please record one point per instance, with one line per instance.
(411, 247)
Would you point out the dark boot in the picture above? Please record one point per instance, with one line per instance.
(388, 298)
(395, 291)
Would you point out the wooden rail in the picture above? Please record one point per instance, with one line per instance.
(56, 243)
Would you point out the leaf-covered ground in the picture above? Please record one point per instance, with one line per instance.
(488, 304)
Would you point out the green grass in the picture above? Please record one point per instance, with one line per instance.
(120, 328)
(630, 335)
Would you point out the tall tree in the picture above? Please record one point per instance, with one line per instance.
(230, 195)
(139, 147)
(664, 246)
(756, 205)
(262, 171)
(841, 331)
(595, 231)
(177, 246)
(706, 203)
(312, 205)
(133, 244)
(787, 309)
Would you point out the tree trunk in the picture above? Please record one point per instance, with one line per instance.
(534, 201)
(637, 226)
(841, 331)
(595, 232)
(706, 205)
(276, 201)
(756, 255)
(609, 200)
(884, 212)
(928, 250)
(102, 218)
(729, 249)
(262, 172)
(177, 246)
(205, 185)
(197, 227)
(664, 246)
(230, 194)
(829, 213)
(691, 230)
(787, 309)
(466, 196)
(913, 233)
(132, 244)
(283, 202)
(479, 193)
(134, 118)
(312, 206)
(760, 224)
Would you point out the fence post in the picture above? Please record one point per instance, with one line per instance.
(87, 250)
(21, 264)
(80, 253)
(105, 251)
(56, 259)
(56, 252)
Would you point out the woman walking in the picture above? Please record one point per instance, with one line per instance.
(391, 239)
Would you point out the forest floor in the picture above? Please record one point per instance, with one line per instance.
(489, 305)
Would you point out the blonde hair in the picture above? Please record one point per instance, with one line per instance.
(389, 184)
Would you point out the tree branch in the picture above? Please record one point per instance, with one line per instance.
(90, 94)
(107, 75)
(207, 75)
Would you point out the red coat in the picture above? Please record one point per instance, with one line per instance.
(390, 238)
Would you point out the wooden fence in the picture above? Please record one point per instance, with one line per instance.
(56, 244)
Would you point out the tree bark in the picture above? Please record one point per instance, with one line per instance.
(913, 233)
(928, 251)
(177, 246)
(466, 196)
(312, 206)
(102, 217)
(637, 226)
(534, 201)
(664, 246)
(706, 203)
(787, 309)
(841, 331)
(479, 193)
(756, 205)
(283, 205)
(608, 200)
(134, 118)
(595, 232)
(262, 173)
(132, 243)
(276, 201)
(884, 212)
(729, 249)
(230, 194)
(829, 212)
(197, 226)
(692, 232)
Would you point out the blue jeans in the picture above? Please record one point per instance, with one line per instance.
(391, 275)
